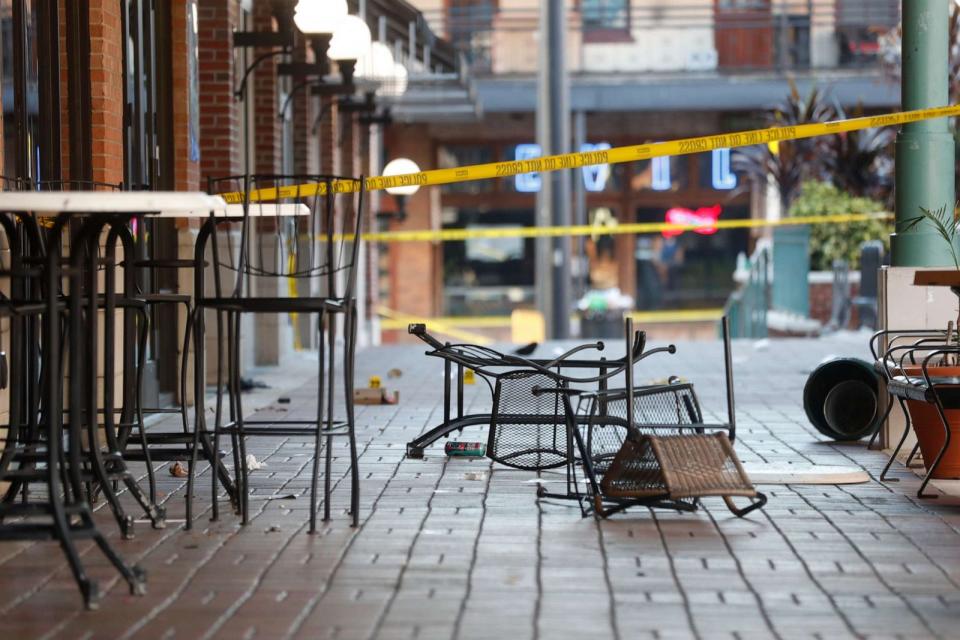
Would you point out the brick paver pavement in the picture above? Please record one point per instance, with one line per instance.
(446, 552)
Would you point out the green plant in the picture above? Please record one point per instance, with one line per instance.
(944, 222)
(829, 242)
(861, 162)
(789, 163)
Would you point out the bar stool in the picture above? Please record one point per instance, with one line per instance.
(275, 254)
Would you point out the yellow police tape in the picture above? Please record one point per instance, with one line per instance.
(635, 228)
(615, 155)
(398, 320)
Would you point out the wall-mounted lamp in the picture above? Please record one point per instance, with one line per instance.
(318, 20)
(399, 167)
(319, 17)
(351, 40)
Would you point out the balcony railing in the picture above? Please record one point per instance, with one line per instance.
(688, 35)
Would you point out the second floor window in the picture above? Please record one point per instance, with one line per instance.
(605, 15)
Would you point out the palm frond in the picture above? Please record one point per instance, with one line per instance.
(944, 222)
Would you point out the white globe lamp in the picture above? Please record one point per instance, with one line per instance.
(319, 17)
(399, 167)
(376, 64)
(351, 40)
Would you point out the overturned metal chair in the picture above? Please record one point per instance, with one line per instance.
(650, 446)
(526, 430)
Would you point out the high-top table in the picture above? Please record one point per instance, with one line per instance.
(65, 514)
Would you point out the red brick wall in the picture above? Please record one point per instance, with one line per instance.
(220, 141)
(413, 266)
(327, 131)
(106, 90)
(265, 104)
(302, 112)
(821, 302)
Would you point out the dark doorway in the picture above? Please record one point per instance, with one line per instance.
(148, 165)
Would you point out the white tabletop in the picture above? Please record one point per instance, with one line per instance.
(149, 202)
(257, 210)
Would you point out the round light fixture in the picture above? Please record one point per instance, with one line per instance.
(351, 39)
(377, 63)
(396, 86)
(319, 17)
(400, 167)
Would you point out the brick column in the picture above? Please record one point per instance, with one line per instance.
(327, 136)
(267, 135)
(415, 275)
(106, 90)
(221, 144)
(267, 128)
(220, 112)
(303, 112)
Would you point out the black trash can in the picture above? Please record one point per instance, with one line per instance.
(842, 398)
(601, 324)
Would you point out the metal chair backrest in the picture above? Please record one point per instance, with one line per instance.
(322, 246)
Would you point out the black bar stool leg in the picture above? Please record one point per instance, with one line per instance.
(318, 440)
(350, 320)
(330, 382)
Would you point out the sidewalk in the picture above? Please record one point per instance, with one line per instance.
(443, 553)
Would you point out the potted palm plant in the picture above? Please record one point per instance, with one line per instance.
(924, 416)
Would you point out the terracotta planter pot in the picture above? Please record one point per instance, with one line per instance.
(929, 428)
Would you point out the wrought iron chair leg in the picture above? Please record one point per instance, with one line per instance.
(351, 333)
(318, 439)
(913, 454)
(331, 377)
(896, 451)
(740, 513)
(940, 454)
(886, 414)
(239, 422)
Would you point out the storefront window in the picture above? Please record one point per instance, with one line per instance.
(660, 174)
(20, 139)
(601, 250)
(605, 14)
(487, 275)
(461, 155)
(715, 170)
(601, 178)
(689, 269)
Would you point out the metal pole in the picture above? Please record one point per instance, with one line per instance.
(925, 152)
(553, 202)
(580, 202)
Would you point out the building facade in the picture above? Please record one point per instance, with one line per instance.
(143, 94)
(639, 71)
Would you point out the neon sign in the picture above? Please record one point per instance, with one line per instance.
(703, 220)
(594, 177)
(527, 182)
(660, 180)
(723, 178)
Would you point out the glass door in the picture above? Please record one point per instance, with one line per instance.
(148, 165)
